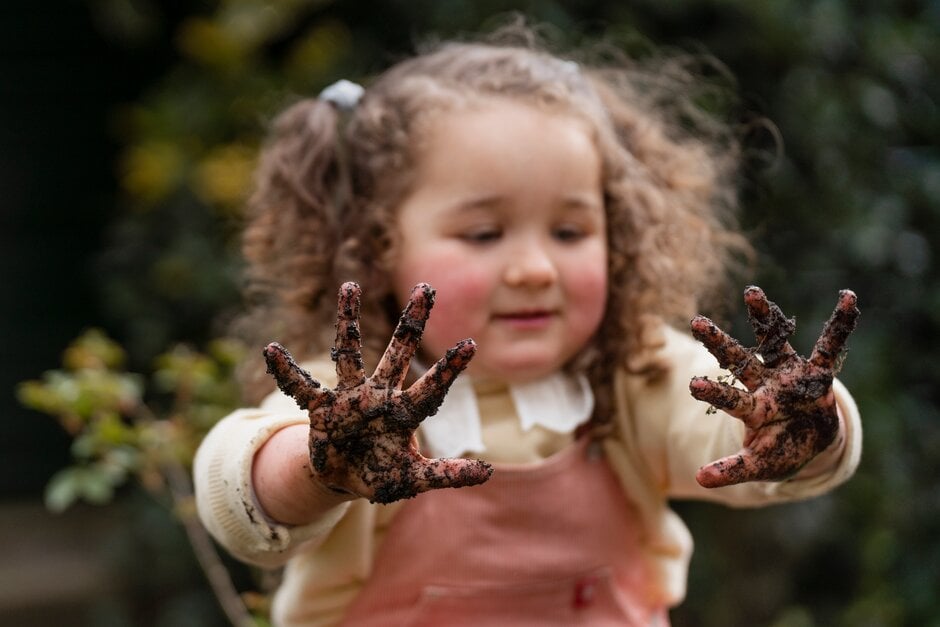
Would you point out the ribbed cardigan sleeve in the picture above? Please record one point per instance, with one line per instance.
(225, 498)
(664, 435)
(677, 436)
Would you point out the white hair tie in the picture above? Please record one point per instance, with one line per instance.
(344, 94)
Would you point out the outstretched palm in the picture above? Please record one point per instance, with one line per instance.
(362, 431)
(788, 407)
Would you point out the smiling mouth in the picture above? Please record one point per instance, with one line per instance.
(526, 318)
(524, 315)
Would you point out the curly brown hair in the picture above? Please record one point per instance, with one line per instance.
(328, 184)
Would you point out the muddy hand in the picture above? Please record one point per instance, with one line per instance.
(362, 432)
(788, 407)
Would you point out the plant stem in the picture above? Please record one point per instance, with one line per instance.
(216, 572)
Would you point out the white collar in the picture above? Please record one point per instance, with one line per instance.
(558, 402)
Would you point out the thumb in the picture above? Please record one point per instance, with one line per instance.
(730, 470)
(434, 474)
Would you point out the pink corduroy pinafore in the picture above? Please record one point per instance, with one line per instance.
(553, 543)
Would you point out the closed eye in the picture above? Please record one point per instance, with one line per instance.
(568, 233)
(481, 236)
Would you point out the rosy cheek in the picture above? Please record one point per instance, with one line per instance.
(460, 304)
(589, 292)
(459, 311)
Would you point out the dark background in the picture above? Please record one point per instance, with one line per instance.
(113, 111)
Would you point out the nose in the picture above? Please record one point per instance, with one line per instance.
(530, 264)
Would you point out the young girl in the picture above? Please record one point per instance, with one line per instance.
(554, 213)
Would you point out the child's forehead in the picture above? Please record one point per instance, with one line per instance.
(503, 130)
(480, 111)
(505, 157)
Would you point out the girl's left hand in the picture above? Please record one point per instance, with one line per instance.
(788, 407)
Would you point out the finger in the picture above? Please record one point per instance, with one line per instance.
(347, 349)
(427, 393)
(432, 474)
(393, 366)
(728, 351)
(292, 379)
(749, 408)
(422, 474)
(730, 470)
(837, 330)
(771, 326)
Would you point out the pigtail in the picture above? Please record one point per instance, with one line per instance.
(290, 238)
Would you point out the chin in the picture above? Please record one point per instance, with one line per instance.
(519, 370)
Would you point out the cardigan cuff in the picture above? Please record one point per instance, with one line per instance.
(225, 495)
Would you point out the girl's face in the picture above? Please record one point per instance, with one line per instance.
(506, 221)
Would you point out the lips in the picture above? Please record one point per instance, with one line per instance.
(525, 315)
(527, 320)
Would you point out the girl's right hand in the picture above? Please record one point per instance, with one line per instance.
(362, 438)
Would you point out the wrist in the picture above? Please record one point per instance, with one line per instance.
(286, 488)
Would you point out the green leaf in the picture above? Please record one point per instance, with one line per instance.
(93, 350)
(96, 485)
(63, 489)
(40, 396)
(85, 446)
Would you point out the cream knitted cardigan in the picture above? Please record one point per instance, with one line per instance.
(663, 437)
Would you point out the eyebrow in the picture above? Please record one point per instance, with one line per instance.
(573, 200)
(580, 200)
(482, 201)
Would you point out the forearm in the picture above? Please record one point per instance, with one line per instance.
(225, 494)
(284, 484)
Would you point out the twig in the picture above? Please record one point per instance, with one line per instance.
(216, 572)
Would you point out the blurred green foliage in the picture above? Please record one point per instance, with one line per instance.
(116, 433)
(852, 200)
(122, 429)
